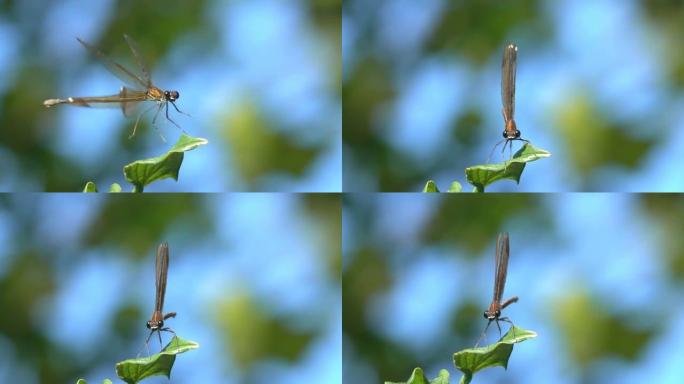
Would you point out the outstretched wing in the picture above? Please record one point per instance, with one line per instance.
(139, 60)
(124, 74)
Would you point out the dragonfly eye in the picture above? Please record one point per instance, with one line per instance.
(505, 134)
(172, 95)
(155, 324)
(486, 316)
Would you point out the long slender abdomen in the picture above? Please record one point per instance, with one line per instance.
(71, 100)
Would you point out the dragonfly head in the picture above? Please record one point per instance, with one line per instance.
(155, 324)
(511, 130)
(489, 315)
(171, 95)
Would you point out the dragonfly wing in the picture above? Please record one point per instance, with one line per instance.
(139, 60)
(131, 100)
(126, 100)
(123, 73)
(508, 65)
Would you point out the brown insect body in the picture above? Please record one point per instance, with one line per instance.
(156, 322)
(128, 98)
(493, 313)
(508, 72)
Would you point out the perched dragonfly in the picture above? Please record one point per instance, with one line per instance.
(508, 67)
(128, 98)
(156, 323)
(493, 313)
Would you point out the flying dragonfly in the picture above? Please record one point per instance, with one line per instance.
(128, 98)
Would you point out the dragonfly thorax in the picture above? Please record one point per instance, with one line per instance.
(511, 130)
(491, 315)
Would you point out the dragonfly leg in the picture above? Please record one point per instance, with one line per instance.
(135, 127)
(171, 120)
(506, 319)
(156, 114)
(154, 121)
(483, 333)
(167, 329)
(499, 327)
(179, 111)
(147, 346)
(492, 152)
(148, 337)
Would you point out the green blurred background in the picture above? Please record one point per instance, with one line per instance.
(261, 80)
(600, 279)
(600, 84)
(255, 280)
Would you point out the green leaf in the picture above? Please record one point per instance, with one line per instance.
(455, 187)
(90, 187)
(472, 360)
(82, 381)
(143, 172)
(418, 377)
(134, 370)
(481, 176)
(430, 186)
(115, 188)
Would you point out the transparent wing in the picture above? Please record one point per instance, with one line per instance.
(139, 60)
(496, 297)
(162, 267)
(502, 252)
(131, 100)
(124, 74)
(508, 66)
(127, 99)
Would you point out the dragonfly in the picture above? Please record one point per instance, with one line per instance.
(140, 89)
(493, 313)
(156, 323)
(508, 68)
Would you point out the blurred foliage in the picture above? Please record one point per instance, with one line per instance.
(326, 213)
(257, 151)
(476, 28)
(460, 221)
(591, 332)
(250, 332)
(594, 140)
(667, 213)
(328, 16)
(668, 17)
(135, 222)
